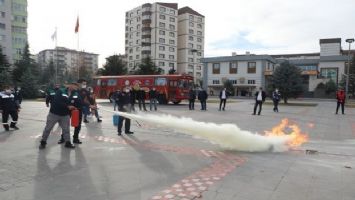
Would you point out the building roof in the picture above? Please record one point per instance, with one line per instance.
(189, 10)
(169, 5)
(294, 55)
(330, 40)
(238, 58)
(300, 62)
(68, 50)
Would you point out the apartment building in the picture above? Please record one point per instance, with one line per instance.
(191, 40)
(155, 29)
(13, 28)
(68, 59)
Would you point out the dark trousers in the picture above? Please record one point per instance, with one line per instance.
(78, 128)
(192, 104)
(342, 107)
(276, 104)
(127, 124)
(222, 101)
(260, 104)
(203, 105)
(5, 118)
(141, 103)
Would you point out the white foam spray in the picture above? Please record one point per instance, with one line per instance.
(228, 136)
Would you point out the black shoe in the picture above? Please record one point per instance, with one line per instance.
(69, 145)
(61, 141)
(129, 132)
(253, 113)
(14, 127)
(119, 133)
(42, 145)
(258, 113)
(6, 127)
(77, 141)
(99, 120)
(336, 113)
(86, 121)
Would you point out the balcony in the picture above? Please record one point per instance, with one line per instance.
(147, 5)
(146, 21)
(268, 73)
(146, 48)
(146, 36)
(146, 52)
(146, 29)
(145, 44)
(146, 13)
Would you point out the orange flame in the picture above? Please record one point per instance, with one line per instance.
(296, 137)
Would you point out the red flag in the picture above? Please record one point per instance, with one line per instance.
(77, 25)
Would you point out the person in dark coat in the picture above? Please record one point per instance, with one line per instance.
(9, 107)
(141, 99)
(192, 97)
(223, 95)
(260, 97)
(153, 95)
(133, 97)
(50, 94)
(340, 95)
(18, 96)
(202, 96)
(124, 102)
(276, 97)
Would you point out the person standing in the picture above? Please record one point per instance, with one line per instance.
(192, 97)
(141, 99)
(59, 113)
(202, 96)
(123, 106)
(9, 107)
(153, 99)
(340, 95)
(113, 99)
(223, 95)
(93, 107)
(133, 96)
(18, 96)
(260, 97)
(50, 94)
(276, 97)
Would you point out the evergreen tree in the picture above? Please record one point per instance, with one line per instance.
(352, 77)
(114, 66)
(330, 87)
(229, 86)
(29, 86)
(5, 76)
(147, 67)
(288, 79)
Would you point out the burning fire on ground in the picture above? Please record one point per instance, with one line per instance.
(290, 130)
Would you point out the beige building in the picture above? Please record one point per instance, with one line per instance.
(13, 28)
(155, 30)
(68, 59)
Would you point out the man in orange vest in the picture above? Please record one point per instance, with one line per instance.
(340, 95)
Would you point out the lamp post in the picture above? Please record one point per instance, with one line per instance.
(351, 40)
(194, 51)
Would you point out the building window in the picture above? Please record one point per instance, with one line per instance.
(162, 9)
(2, 26)
(172, 19)
(234, 82)
(2, 14)
(172, 65)
(172, 12)
(251, 82)
(199, 53)
(2, 37)
(161, 32)
(171, 34)
(137, 57)
(233, 67)
(161, 25)
(137, 34)
(130, 50)
(199, 33)
(161, 64)
(161, 55)
(191, 67)
(161, 48)
(171, 27)
(191, 31)
(161, 40)
(199, 47)
(251, 67)
(198, 74)
(130, 58)
(171, 57)
(191, 60)
(331, 73)
(191, 46)
(191, 24)
(190, 52)
(215, 82)
(199, 39)
(138, 26)
(198, 67)
(162, 17)
(199, 19)
(191, 17)
(137, 41)
(199, 25)
(171, 49)
(191, 38)
(171, 41)
(215, 68)
(137, 48)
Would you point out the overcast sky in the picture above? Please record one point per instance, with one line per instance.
(258, 26)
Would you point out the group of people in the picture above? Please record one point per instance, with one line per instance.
(62, 101)
(10, 105)
(202, 96)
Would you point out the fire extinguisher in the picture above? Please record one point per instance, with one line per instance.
(75, 118)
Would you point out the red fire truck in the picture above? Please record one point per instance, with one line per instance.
(171, 88)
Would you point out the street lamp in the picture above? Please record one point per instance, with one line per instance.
(350, 40)
(194, 51)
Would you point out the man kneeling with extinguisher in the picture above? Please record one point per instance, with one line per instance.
(59, 113)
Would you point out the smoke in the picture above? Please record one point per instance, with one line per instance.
(228, 136)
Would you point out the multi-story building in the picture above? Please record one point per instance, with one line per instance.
(191, 39)
(329, 64)
(13, 28)
(153, 30)
(68, 59)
